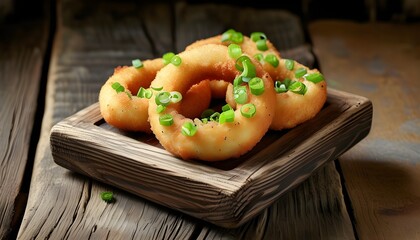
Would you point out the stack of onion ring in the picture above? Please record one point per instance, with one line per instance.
(171, 99)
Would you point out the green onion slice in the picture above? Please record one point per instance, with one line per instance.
(272, 59)
(107, 196)
(248, 110)
(249, 70)
(240, 94)
(167, 57)
(298, 87)
(300, 72)
(226, 107)
(118, 87)
(176, 60)
(255, 36)
(287, 82)
(237, 81)
(163, 98)
(189, 129)
(157, 88)
(166, 120)
(239, 62)
(314, 77)
(234, 50)
(215, 117)
(160, 108)
(256, 85)
(259, 57)
(144, 93)
(232, 36)
(175, 96)
(227, 116)
(226, 36)
(260, 40)
(137, 63)
(237, 37)
(280, 87)
(290, 64)
(262, 45)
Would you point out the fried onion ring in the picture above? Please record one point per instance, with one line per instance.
(291, 109)
(123, 109)
(212, 141)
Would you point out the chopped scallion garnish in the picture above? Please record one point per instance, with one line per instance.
(160, 108)
(314, 77)
(272, 59)
(237, 81)
(248, 110)
(232, 36)
(166, 120)
(240, 94)
(234, 50)
(215, 117)
(239, 62)
(259, 57)
(226, 107)
(280, 87)
(163, 98)
(189, 129)
(298, 87)
(137, 63)
(175, 96)
(157, 88)
(262, 45)
(256, 85)
(290, 64)
(300, 72)
(227, 116)
(118, 87)
(249, 70)
(255, 36)
(144, 93)
(176, 60)
(107, 196)
(170, 57)
(167, 57)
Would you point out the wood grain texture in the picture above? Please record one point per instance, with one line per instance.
(222, 194)
(22, 49)
(96, 36)
(382, 172)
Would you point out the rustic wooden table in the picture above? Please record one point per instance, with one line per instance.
(52, 64)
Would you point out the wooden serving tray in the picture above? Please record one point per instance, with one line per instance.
(226, 193)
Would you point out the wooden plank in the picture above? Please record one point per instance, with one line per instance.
(22, 49)
(93, 38)
(382, 173)
(222, 193)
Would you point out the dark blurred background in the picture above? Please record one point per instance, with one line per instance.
(401, 11)
(358, 10)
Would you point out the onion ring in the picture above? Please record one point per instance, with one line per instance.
(291, 109)
(125, 111)
(122, 109)
(294, 108)
(212, 141)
